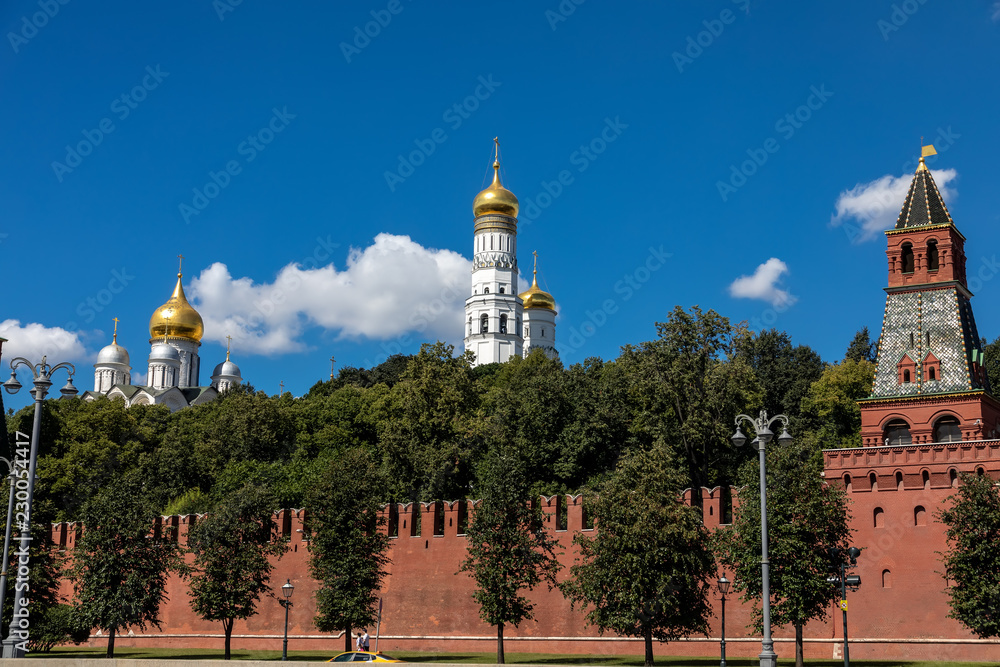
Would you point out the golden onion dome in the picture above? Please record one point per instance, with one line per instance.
(535, 296)
(176, 318)
(496, 198)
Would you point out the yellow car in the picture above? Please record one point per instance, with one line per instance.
(362, 656)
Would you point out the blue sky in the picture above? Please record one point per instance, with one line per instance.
(318, 180)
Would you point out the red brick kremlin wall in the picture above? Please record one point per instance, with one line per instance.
(899, 612)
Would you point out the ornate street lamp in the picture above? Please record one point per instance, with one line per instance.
(845, 581)
(17, 635)
(762, 427)
(286, 590)
(723, 589)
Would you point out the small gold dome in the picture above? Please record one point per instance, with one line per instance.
(176, 318)
(496, 198)
(535, 296)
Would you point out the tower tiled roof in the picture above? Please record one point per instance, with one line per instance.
(923, 205)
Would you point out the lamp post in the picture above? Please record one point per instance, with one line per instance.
(845, 581)
(15, 645)
(286, 590)
(762, 427)
(723, 589)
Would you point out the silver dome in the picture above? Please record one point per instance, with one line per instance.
(227, 368)
(112, 354)
(164, 352)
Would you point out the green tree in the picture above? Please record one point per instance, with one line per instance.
(233, 547)
(830, 409)
(972, 561)
(646, 572)
(525, 412)
(57, 624)
(991, 362)
(861, 348)
(120, 567)
(688, 385)
(509, 550)
(806, 517)
(785, 372)
(348, 549)
(598, 429)
(425, 430)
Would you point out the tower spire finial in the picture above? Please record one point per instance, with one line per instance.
(925, 151)
(114, 338)
(180, 264)
(534, 275)
(332, 360)
(229, 343)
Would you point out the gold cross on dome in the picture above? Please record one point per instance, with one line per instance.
(332, 359)
(229, 343)
(115, 338)
(180, 262)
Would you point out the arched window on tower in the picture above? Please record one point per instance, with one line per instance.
(906, 376)
(484, 324)
(897, 432)
(932, 256)
(907, 258)
(503, 324)
(947, 429)
(486, 290)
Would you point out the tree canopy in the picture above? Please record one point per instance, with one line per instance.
(120, 566)
(348, 552)
(806, 517)
(646, 571)
(233, 549)
(972, 561)
(509, 550)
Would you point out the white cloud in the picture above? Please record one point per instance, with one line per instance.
(393, 287)
(33, 341)
(996, 11)
(763, 284)
(869, 208)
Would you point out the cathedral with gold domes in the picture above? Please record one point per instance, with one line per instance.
(175, 331)
(501, 322)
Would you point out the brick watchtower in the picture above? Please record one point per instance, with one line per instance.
(930, 385)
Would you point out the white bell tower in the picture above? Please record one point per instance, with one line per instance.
(493, 312)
